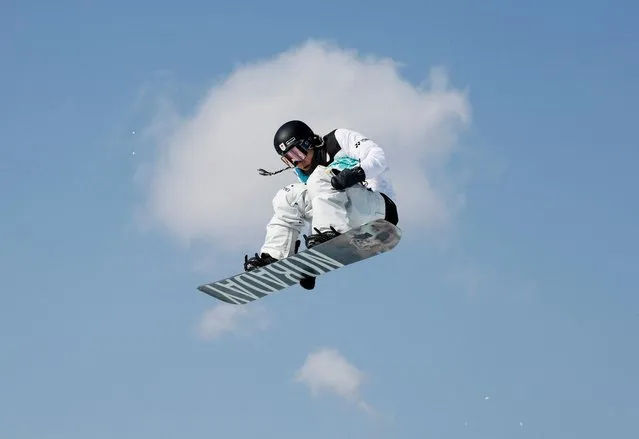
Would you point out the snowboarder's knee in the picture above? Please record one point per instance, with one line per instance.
(319, 180)
(288, 196)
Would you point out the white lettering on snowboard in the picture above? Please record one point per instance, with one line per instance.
(252, 285)
(231, 289)
(224, 295)
(327, 262)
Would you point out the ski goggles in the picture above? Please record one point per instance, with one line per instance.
(295, 153)
(293, 156)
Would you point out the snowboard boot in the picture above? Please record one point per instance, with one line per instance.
(257, 261)
(320, 237)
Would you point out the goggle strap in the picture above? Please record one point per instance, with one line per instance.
(268, 173)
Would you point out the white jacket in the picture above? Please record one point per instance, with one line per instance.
(357, 150)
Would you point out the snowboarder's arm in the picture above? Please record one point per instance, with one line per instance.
(371, 155)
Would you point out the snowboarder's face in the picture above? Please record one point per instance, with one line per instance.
(297, 157)
(305, 164)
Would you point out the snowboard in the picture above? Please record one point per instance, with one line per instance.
(358, 244)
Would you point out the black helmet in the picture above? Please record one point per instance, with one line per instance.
(293, 140)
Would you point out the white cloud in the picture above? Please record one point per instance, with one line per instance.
(226, 318)
(204, 183)
(326, 370)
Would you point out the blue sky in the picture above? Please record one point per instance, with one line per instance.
(509, 310)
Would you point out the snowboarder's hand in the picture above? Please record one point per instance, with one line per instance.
(348, 178)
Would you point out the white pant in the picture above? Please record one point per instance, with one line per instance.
(319, 204)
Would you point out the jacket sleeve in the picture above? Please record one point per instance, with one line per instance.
(371, 156)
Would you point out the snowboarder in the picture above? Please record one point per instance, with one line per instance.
(343, 183)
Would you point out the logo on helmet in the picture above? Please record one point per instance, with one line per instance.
(282, 146)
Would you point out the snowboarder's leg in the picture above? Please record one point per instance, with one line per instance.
(290, 210)
(364, 205)
(342, 210)
(329, 204)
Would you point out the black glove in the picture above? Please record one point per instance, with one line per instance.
(348, 178)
